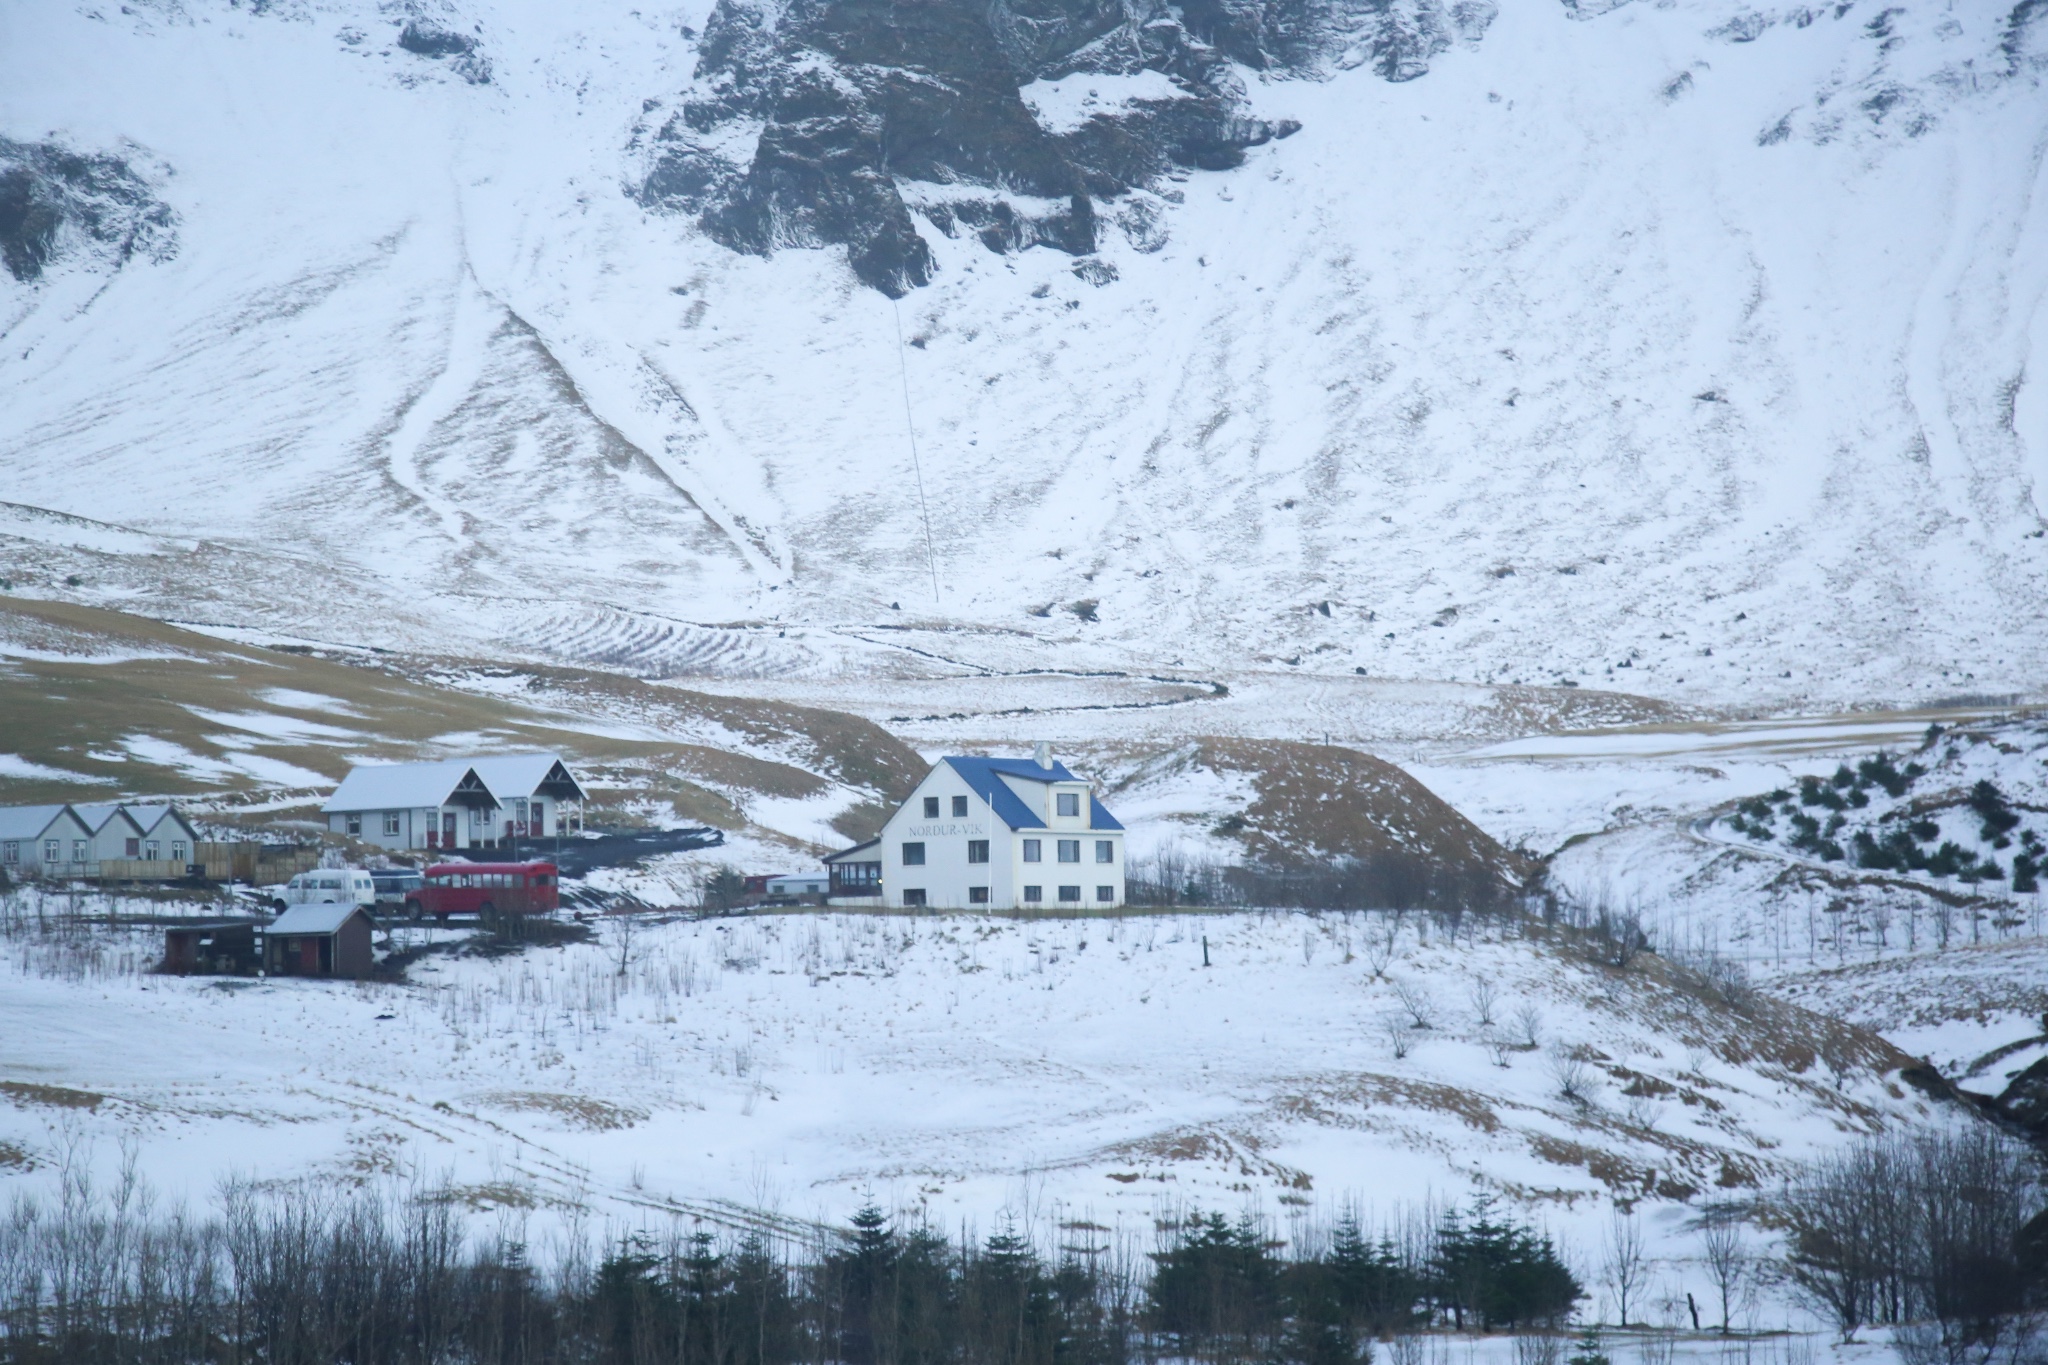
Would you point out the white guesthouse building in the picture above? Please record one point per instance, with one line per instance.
(480, 803)
(990, 833)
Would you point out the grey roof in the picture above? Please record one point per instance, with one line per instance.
(525, 775)
(27, 822)
(400, 786)
(324, 918)
(150, 814)
(98, 813)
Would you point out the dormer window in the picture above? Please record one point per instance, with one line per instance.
(1069, 802)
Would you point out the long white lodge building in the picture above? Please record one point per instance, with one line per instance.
(990, 833)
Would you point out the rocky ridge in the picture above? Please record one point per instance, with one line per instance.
(826, 122)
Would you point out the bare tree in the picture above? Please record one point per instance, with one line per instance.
(1727, 1258)
(1483, 998)
(1416, 1001)
(1379, 950)
(1397, 1037)
(1574, 1077)
(1624, 1262)
(1529, 1024)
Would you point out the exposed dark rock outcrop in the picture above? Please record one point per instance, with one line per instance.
(439, 42)
(806, 120)
(57, 203)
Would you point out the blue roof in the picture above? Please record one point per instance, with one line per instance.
(980, 774)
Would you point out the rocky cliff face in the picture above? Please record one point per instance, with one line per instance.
(807, 120)
(57, 203)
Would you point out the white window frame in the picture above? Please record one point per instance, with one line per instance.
(1070, 846)
(1034, 850)
(10, 852)
(1070, 895)
(1105, 850)
(1062, 800)
(391, 824)
(903, 853)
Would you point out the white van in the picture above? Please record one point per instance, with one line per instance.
(327, 886)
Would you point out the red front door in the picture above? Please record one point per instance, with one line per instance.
(447, 829)
(309, 956)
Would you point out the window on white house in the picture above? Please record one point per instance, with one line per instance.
(1105, 850)
(391, 824)
(151, 850)
(10, 852)
(1070, 850)
(1069, 803)
(913, 855)
(959, 806)
(355, 826)
(977, 850)
(1033, 894)
(133, 848)
(977, 895)
(914, 896)
(1031, 851)
(53, 850)
(79, 849)
(177, 850)
(931, 808)
(1105, 894)
(1070, 893)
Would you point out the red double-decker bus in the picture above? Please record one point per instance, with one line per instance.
(485, 889)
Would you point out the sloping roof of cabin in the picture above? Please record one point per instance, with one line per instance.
(26, 822)
(528, 775)
(401, 786)
(325, 918)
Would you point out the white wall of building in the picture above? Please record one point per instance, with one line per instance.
(949, 880)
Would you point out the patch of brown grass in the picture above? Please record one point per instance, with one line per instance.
(52, 1096)
(578, 1111)
(1327, 1097)
(1318, 802)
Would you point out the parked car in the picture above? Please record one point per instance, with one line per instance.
(325, 886)
(394, 884)
(485, 889)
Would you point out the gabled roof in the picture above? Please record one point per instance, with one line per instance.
(403, 786)
(981, 774)
(97, 814)
(528, 775)
(314, 919)
(151, 814)
(27, 822)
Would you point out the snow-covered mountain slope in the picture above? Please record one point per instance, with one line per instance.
(1579, 341)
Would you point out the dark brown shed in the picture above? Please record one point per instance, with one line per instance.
(222, 948)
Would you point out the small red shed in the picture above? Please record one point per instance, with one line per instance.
(318, 940)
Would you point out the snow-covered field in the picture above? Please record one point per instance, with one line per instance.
(961, 1065)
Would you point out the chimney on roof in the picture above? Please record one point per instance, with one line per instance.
(1043, 753)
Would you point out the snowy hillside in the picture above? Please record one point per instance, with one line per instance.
(965, 1065)
(1693, 350)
